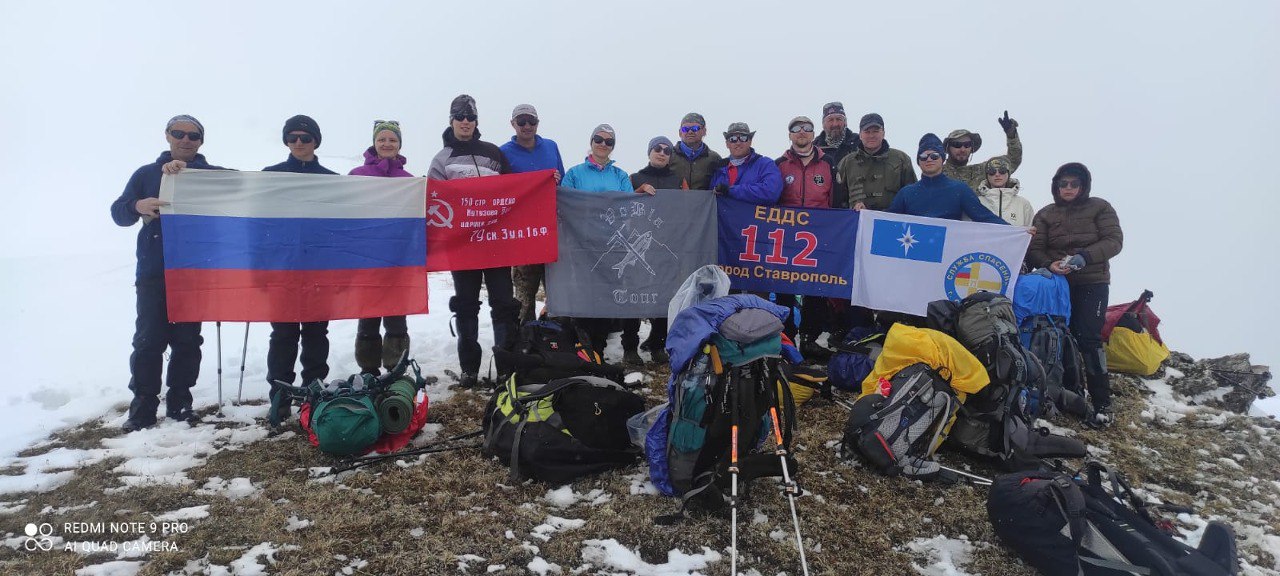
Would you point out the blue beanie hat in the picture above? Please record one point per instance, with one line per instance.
(931, 141)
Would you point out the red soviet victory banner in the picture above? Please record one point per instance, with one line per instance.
(494, 221)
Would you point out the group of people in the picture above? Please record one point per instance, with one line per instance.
(1075, 236)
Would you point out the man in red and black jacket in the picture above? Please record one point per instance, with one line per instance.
(808, 181)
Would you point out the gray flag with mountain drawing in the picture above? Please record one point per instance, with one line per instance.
(623, 255)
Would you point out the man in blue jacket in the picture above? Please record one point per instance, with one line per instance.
(936, 195)
(529, 152)
(745, 175)
(302, 135)
(153, 332)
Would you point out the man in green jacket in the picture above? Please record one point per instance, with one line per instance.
(874, 172)
(961, 144)
(693, 160)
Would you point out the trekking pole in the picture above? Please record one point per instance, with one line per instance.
(732, 392)
(973, 478)
(243, 350)
(219, 325)
(791, 488)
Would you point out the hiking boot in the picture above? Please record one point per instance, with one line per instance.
(369, 354)
(468, 380)
(134, 426)
(181, 414)
(632, 358)
(1101, 418)
(659, 356)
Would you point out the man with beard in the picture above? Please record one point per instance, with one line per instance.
(836, 139)
(961, 144)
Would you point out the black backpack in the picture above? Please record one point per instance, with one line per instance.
(563, 430)
(1049, 339)
(554, 348)
(1066, 525)
(899, 432)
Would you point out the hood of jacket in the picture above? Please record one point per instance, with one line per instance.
(1072, 169)
(1011, 188)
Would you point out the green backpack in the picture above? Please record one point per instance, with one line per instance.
(343, 417)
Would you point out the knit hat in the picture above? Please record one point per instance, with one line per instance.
(961, 133)
(870, 120)
(524, 110)
(659, 141)
(739, 128)
(799, 120)
(185, 118)
(832, 108)
(928, 142)
(604, 128)
(694, 118)
(392, 125)
(303, 123)
(463, 104)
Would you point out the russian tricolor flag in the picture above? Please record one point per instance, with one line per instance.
(284, 247)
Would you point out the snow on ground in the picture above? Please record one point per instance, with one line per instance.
(564, 497)
(942, 556)
(610, 554)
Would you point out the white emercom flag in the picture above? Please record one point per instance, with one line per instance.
(905, 262)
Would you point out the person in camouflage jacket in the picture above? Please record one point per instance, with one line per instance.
(874, 172)
(961, 144)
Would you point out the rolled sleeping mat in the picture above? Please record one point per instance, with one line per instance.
(395, 406)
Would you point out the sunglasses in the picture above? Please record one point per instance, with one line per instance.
(1068, 184)
(965, 144)
(798, 128)
(304, 138)
(994, 171)
(180, 134)
(689, 129)
(737, 138)
(661, 149)
(520, 123)
(391, 122)
(466, 117)
(606, 141)
(929, 156)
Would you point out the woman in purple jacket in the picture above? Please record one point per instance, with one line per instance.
(372, 350)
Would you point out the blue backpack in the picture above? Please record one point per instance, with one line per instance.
(854, 359)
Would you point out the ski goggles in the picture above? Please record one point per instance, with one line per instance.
(798, 128)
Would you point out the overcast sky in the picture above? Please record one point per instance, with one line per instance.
(1173, 106)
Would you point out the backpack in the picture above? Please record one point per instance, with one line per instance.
(1132, 338)
(1049, 339)
(736, 372)
(562, 430)
(985, 324)
(554, 348)
(1067, 526)
(854, 358)
(360, 413)
(897, 429)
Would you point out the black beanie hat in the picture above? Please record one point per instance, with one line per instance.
(303, 123)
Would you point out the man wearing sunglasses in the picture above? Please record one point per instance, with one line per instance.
(936, 195)
(874, 172)
(745, 175)
(808, 181)
(693, 160)
(301, 135)
(529, 152)
(836, 139)
(153, 331)
(961, 144)
(466, 156)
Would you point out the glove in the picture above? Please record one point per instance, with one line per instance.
(1009, 125)
(1076, 262)
(722, 189)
